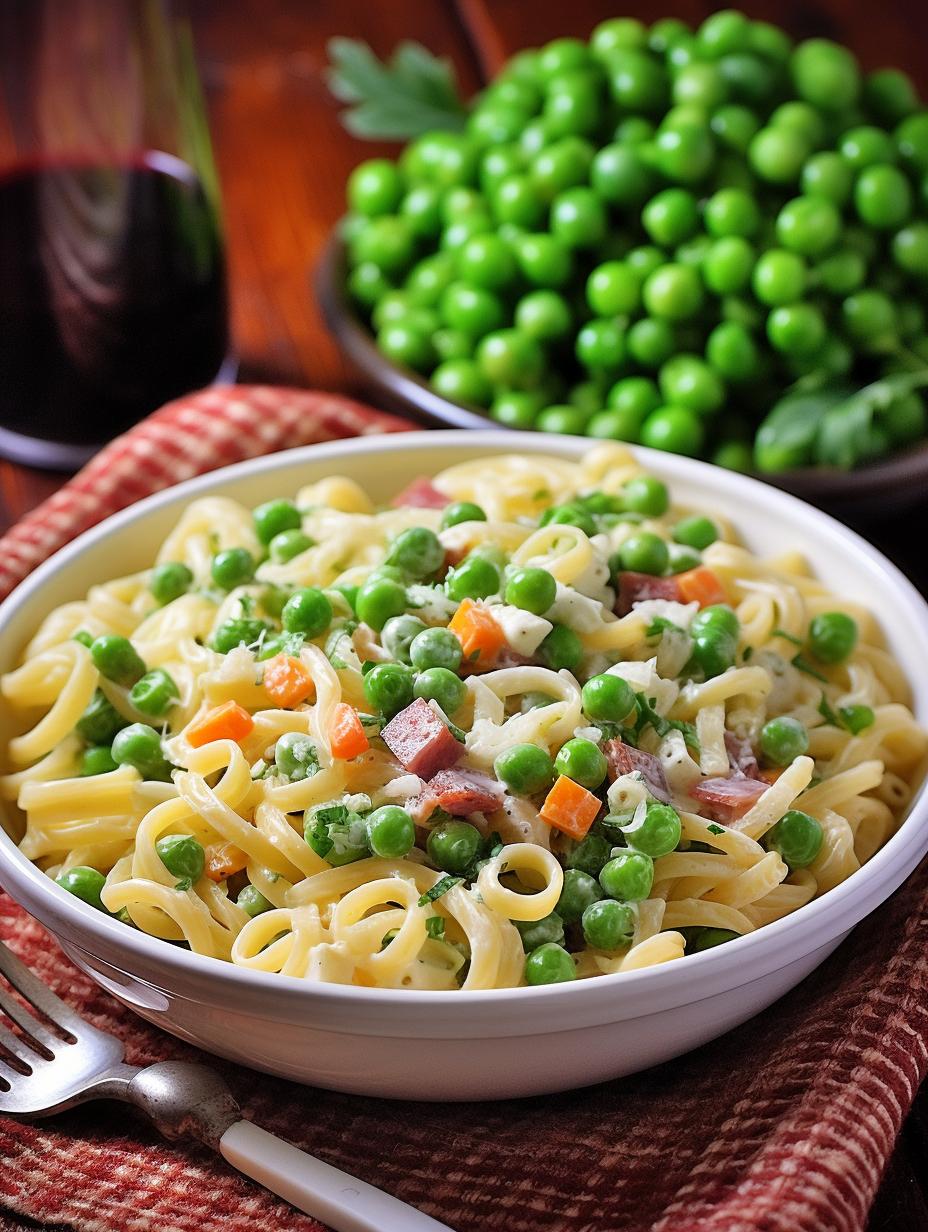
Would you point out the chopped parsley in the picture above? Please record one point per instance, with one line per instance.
(659, 625)
(435, 927)
(185, 884)
(802, 664)
(714, 829)
(442, 886)
(854, 719)
(790, 637)
(648, 717)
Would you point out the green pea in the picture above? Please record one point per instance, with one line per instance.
(715, 631)
(573, 514)
(525, 769)
(657, 834)
(644, 553)
(461, 511)
(650, 341)
(252, 901)
(240, 631)
(828, 175)
(646, 495)
(154, 693)
(379, 599)
(883, 197)
(388, 687)
(533, 590)
(608, 925)
(274, 517)
(435, 648)
(549, 964)
(390, 832)
(832, 636)
(117, 659)
(607, 698)
(578, 892)
(453, 846)
(169, 581)
(474, 578)
(232, 567)
(613, 288)
(98, 759)
(674, 429)
(561, 649)
(84, 883)
(295, 756)
(589, 855)
(671, 217)
(628, 877)
(287, 544)
(797, 837)
(682, 559)
(783, 739)
(182, 856)
(673, 292)
(550, 928)
(417, 551)
(398, 633)
(441, 685)
(583, 761)
(139, 745)
(695, 532)
(307, 611)
(100, 721)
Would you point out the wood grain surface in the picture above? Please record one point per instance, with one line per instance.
(283, 159)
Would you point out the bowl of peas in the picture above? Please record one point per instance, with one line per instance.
(712, 242)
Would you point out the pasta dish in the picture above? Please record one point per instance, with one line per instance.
(530, 723)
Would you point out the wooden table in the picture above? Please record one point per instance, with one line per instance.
(283, 159)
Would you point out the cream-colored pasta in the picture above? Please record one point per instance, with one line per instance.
(273, 897)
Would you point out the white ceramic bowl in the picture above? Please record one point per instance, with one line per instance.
(479, 1045)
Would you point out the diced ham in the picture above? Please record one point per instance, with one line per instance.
(636, 586)
(623, 759)
(460, 792)
(728, 799)
(741, 756)
(420, 494)
(420, 741)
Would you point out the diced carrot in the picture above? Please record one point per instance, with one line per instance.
(570, 808)
(230, 721)
(347, 738)
(771, 775)
(287, 681)
(223, 860)
(702, 585)
(480, 636)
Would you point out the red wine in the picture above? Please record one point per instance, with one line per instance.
(112, 299)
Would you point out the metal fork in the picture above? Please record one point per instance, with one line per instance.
(63, 1060)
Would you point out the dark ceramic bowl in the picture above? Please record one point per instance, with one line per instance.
(882, 488)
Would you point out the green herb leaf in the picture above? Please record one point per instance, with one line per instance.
(648, 717)
(845, 435)
(658, 625)
(802, 664)
(185, 884)
(414, 92)
(714, 829)
(438, 889)
(787, 437)
(435, 927)
(790, 637)
(827, 712)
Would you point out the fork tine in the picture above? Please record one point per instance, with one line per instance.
(31, 1025)
(39, 995)
(19, 1048)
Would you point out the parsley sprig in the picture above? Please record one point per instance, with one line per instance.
(413, 92)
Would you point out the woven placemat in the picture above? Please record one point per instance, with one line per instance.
(783, 1125)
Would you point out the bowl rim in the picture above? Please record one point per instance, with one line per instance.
(865, 484)
(841, 905)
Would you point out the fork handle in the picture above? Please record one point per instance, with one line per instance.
(345, 1203)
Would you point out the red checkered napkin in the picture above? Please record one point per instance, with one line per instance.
(784, 1125)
